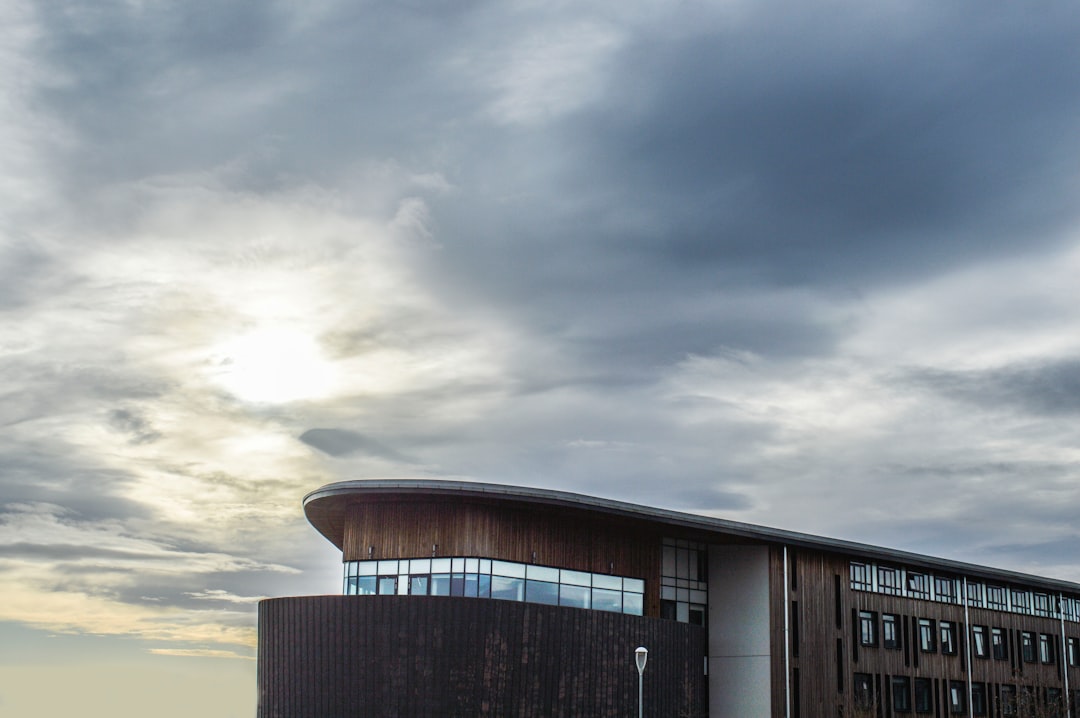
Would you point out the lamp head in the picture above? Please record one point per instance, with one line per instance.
(641, 655)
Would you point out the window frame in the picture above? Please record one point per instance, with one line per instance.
(947, 631)
(927, 635)
(891, 621)
(1046, 649)
(999, 640)
(861, 577)
(924, 695)
(901, 694)
(1027, 646)
(868, 629)
(980, 644)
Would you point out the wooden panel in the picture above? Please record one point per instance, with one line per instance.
(428, 656)
(820, 685)
(565, 538)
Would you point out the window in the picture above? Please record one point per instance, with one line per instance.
(901, 694)
(867, 628)
(927, 642)
(1042, 604)
(945, 588)
(979, 644)
(1021, 601)
(1046, 648)
(683, 582)
(956, 697)
(996, 598)
(1008, 700)
(860, 577)
(890, 630)
(978, 699)
(948, 638)
(888, 580)
(918, 585)
(487, 578)
(1027, 646)
(1073, 651)
(1054, 704)
(997, 642)
(924, 695)
(975, 594)
(863, 690)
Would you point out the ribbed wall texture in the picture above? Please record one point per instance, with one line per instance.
(416, 656)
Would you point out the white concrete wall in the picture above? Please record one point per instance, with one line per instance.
(739, 632)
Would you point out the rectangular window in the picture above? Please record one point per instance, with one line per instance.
(1008, 700)
(927, 641)
(945, 588)
(948, 638)
(1027, 646)
(924, 695)
(979, 644)
(918, 585)
(867, 628)
(1021, 601)
(1073, 651)
(860, 577)
(863, 690)
(1054, 705)
(978, 699)
(1042, 604)
(996, 598)
(975, 594)
(997, 642)
(901, 694)
(889, 581)
(1046, 648)
(957, 693)
(890, 630)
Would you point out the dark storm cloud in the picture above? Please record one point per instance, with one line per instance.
(794, 147)
(1048, 388)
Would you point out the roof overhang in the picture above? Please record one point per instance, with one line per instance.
(325, 508)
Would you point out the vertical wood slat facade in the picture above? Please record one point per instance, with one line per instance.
(825, 682)
(564, 538)
(436, 656)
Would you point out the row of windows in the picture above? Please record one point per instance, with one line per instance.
(1011, 701)
(891, 633)
(894, 581)
(488, 578)
(986, 641)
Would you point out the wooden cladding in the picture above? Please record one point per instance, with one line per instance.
(829, 650)
(375, 656)
(566, 538)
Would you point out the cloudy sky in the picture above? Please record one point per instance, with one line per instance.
(809, 265)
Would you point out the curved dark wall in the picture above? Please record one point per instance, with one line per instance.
(416, 656)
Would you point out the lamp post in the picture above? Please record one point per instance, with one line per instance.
(641, 655)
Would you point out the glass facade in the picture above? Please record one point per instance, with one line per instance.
(684, 581)
(488, 578)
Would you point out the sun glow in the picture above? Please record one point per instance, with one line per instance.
(273, 366)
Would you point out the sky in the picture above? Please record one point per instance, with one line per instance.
(806, 265)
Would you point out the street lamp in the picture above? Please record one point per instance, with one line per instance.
(641, 655)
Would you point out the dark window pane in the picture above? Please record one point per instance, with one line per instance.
(542, 592)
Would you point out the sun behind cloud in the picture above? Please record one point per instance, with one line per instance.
(273, 365)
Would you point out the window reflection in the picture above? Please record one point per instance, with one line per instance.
(505, 580)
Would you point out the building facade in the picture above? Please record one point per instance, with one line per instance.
(468, 599)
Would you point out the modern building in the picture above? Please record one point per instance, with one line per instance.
(469, 599)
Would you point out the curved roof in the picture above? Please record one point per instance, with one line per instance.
(325, 509)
